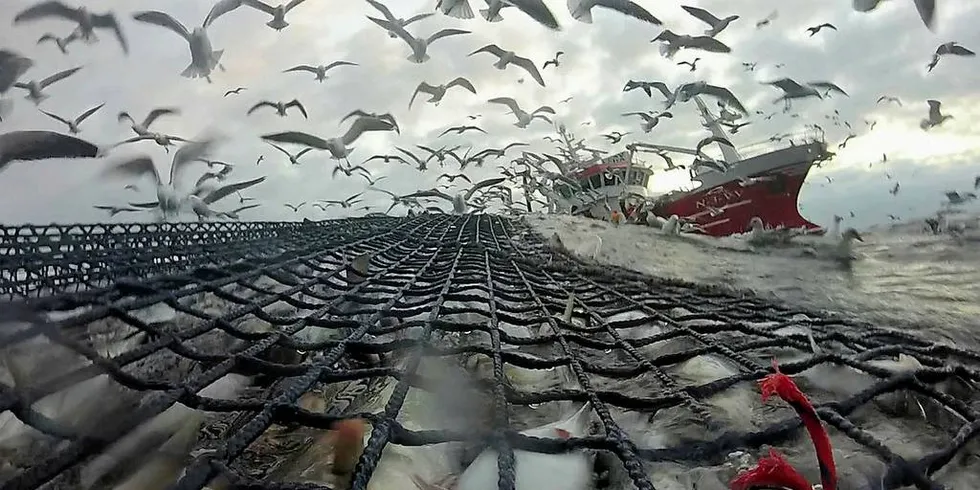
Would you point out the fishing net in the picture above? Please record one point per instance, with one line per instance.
(193, 302)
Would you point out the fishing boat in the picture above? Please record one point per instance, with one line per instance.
(761, 181)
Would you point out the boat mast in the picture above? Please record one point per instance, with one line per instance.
(711, 122)
(569, 148)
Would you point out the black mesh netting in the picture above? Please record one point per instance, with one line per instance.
(235, 297)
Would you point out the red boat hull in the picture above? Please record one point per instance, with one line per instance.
(726, 209)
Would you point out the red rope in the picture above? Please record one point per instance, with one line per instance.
(776, 471)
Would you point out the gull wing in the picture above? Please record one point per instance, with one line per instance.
(85, 115)
(189, 152)
(545, 109)
(156, 113)
(135, 167)
(828, 86)
(423, 87)
(927, 11)
(293, 4)
(702, 15)
(429, 193)
(262, 104)
(297, 104)
(629, 8)
(787, 85)
(57, 77)
(221, 7)
(311, 69)
(507, 101)
(258, 5)
(55, 117)
(42, 145)
(363, 125)
(934, 110)
(482, 184)
(109, 21)
(418, 17)
(145, 205)
(227, 190)
(49, 9)
(280, 149)
(383, 9)
(418, 161)
(709, 44)
(537, 10)
(12, 67)
(529, 66)
(299, 138)
(725, 95)
(161, 19)
(339, 63)
(462, 82)
(713, 139)
(490, 48)
(444, 33)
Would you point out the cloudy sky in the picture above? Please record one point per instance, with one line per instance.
(871, 54)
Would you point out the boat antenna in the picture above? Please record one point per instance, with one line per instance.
(567, 147)
(711, 122)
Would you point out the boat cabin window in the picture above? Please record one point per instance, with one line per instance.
(638, 178)
(595, 181)
(564, 190)
(612, 177)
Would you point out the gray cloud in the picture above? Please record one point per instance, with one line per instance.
(871, 54)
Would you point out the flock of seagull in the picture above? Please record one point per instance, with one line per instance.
(535, 173)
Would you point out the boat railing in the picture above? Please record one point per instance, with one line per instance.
(787, 140)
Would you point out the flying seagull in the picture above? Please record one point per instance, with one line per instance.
(492, 12)
(815, 29)
(687, 91)
(505, 58)
(439, 91)
(650, 120)
(143, 128)
(953, 48)
(581, 10)
(671, 43)
(554, 61)
(280, 107)
(73, 124)
(293, 159)
(42, 145)
(793, 90)
(61, 42)
(337, 146)
(12, 67)
(647, 86)
(462, 129)
(203, 58)
(35, 89)
(936, 117)
(235, 91)
(321, 70)
(523, 118)
(419, 45)
(278, 12)
(87, 21)
(402, 22)
(717, 25)
(889, 98)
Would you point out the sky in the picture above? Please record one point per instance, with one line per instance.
(870, 54)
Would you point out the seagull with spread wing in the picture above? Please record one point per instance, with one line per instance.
(439, 91)
(717, 25)
(74, 123)
(688, 91)
(953, 48)
(17, 146)
(461, 130)
(337, 146)
(87, 21)
(535, 9)
(35, 88)
(936, 117)
(505, 58)
(168, 200)
(650, 119)
(61, 42)
(391, 18)
(926, 8)
(293, 159)
(114, 210)
(280, 107)
(278, 12)
(554, 61)
(461, 200)
(671, 43)
(794, 90)
(523, 118)
(648, 86)
(319, 70)
(418, 45)
(204, 59)
(346, 203)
